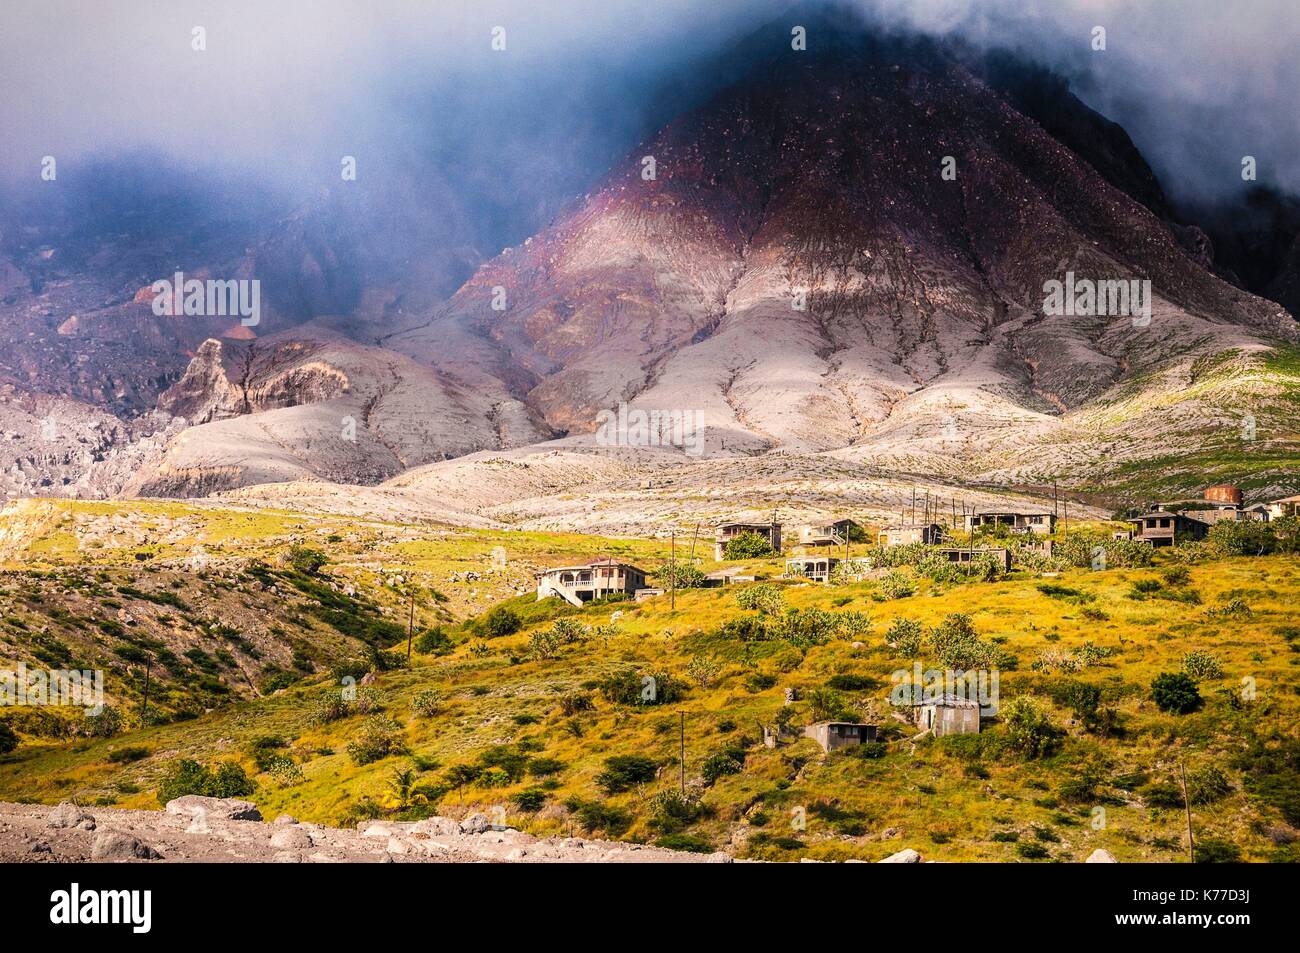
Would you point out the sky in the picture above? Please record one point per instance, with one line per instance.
(283, 90)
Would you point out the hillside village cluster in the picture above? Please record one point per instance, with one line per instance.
(811, 560)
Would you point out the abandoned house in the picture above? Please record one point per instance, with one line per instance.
(830, 534)
(579, 584)
(1276, 510)
(1223, 502)
(729, 531)
(948, 714)
(1159, 528)
(839, 734)
(927, 534)
(813, 568)
(957, 554)
(726, 577)
(1042, 523)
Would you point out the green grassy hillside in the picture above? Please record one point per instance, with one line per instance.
(524, 725)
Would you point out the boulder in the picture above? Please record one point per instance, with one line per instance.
(291, 837)
(214, 808)
(1100, 856)
(907, 856)
(475, 824)
(285, 819)
(115, 847)
(67, 814)
(437, 826)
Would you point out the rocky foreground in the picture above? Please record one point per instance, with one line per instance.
(216, 830)
(211, 830)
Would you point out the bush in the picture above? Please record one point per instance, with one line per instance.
(1201, 665)
(625, 771)
(851, 683)
(826, 704)
(764, 598)
(896, 584)
(686, 842)
(1244, 538)
(1212, 850)
(1029, 730)
(184, 776)
(378, 738)
(1207, 784)
(748, 546)
(426, 703)
(128, 754)
(595, 816)
(501, 622)
(433, 642)
(958, 645)
(1030, 850)
(671, 810)
(1161, 794)
(725, 762)
(8, 740)
(631, 687)
(306, 561)
(687, 576)
(907, 636)
(1175, 693)
(530, 800)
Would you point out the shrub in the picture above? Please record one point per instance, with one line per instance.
(426, 703)
(631, 687)
(625, 771)
(595, 816)
(1244, 538)
(763, 598)
(378, 738)
(1031, 850)
(1207, 784)
(826, 704)
(127, 754)
(1200, 665)
(1029, 730)
(728, 761)
(686, 842)
(851, 683)
(543, 645)
(306, 561)
(530, 799)
(8, 740)
(184, 776)
(896, 584)
(575, 702)
(501, 622)
(958, 645)
(1175, 693)
(544, 767)
(748, 546)
(703, 670)
(672, 810)
(687, 576)
(1161, 794)
(907, 636)
(331, 706)
(806, 627)
(1212, 850)
(433, 642)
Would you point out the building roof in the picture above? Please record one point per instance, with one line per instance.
(761, 525)
(1166, 514)
(598, 564)
(949, 700)
(1289, 499)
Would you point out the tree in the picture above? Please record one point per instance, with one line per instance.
(306, 561)
(625, 771)
(826, 704)
(1242, 538)
(748, 546)
(687, 575)
(1176, 693)
(1029, 730)
(501, 622)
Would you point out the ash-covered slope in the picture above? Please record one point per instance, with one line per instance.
(924, 338)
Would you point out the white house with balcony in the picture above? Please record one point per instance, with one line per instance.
(580, 584)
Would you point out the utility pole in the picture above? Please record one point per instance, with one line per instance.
(693, 539)
(1187, 806)
(410, 626)
(682, 749)
(144, 702)
(672, 571)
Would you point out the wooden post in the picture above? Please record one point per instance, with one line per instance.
(144, 702)
(1187, 806)
(683, 750)
(672, 571)
(693, 539)
(410, 628)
